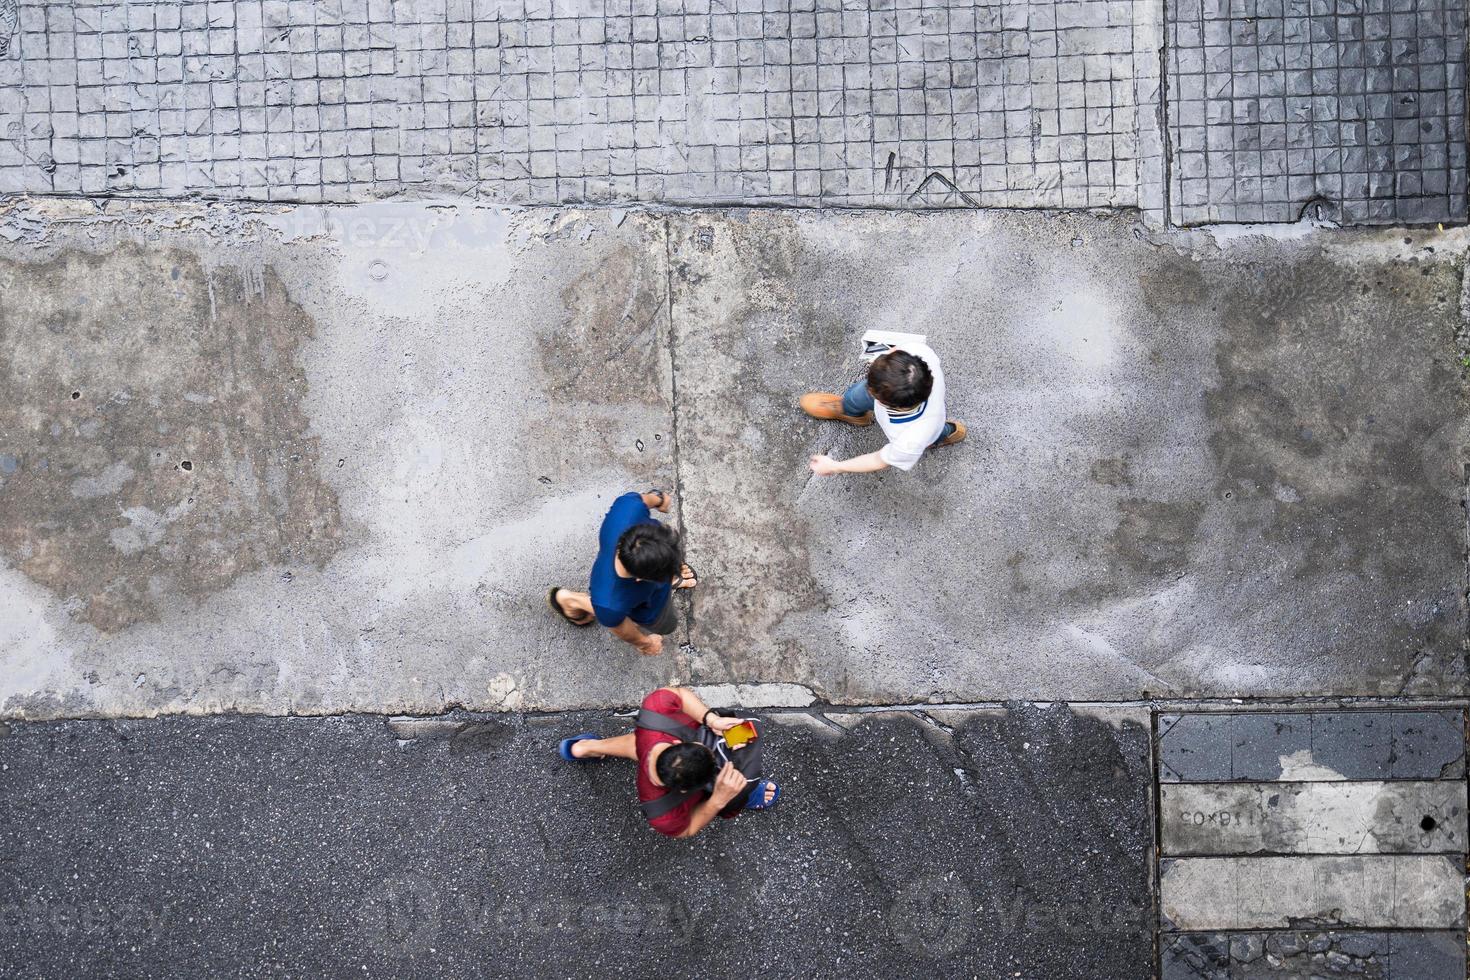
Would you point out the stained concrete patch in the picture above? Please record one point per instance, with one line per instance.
(152, 410)
(468, 390)
(610, 347)
(1187, 472)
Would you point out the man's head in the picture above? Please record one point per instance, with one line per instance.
(899, 379)
(651, 551)
(685, 765)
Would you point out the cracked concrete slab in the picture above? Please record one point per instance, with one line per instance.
(1195, 467)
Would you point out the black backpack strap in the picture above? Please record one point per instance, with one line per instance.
(658, 722)
(667, 803)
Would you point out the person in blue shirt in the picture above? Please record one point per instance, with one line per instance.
(639, 564)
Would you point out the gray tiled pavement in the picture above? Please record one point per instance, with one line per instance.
(554, 101)
(1273, 104)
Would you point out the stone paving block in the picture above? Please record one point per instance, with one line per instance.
(1354, 744)
(1401, 817)
(1428, 745)
(1195, 956)
(1194, 747)
(1371, 892)
(1347, 745)
(1259, 741)
(1295, 955)
(1426, 956)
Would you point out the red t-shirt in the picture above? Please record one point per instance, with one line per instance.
(676, 821)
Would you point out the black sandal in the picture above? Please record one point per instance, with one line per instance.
(556, 607)
(682, 579)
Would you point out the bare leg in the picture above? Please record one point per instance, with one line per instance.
(622, 747)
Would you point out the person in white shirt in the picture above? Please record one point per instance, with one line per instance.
(904, 390)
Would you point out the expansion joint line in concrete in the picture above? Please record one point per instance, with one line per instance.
(921, 711)
(1465, 585)
(674, 407)
(1156, 832)
(1166, 145)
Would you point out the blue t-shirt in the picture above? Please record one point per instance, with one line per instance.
(615, 598)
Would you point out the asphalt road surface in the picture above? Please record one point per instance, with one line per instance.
(997, 844)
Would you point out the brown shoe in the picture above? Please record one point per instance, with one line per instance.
(958, 435)
(821, 405)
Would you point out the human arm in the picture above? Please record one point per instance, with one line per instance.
(629, 633)
(867, 463)
(660, 500)
(691, 705)
(729, 784)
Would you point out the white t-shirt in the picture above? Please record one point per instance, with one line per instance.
(914, 430)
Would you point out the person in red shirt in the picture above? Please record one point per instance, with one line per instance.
(667, 764)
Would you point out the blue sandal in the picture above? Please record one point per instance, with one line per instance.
(757, 798)
(565, 748)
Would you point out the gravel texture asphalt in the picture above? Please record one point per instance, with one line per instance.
(1005, 843)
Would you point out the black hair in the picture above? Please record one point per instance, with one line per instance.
(651, 551)
(685, 765)
(899, 379)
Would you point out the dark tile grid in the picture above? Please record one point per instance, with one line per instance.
(262, 99)
(1021, 105)
(556, 101)
(795, 101)
(1275, 103)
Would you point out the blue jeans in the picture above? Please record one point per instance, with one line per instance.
(857, 400)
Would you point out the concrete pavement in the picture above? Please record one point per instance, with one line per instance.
(329, 459)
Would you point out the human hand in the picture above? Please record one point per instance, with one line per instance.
(665, 500)
(721, 724)
(650, 646)
(730, 783)
(824, 465)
